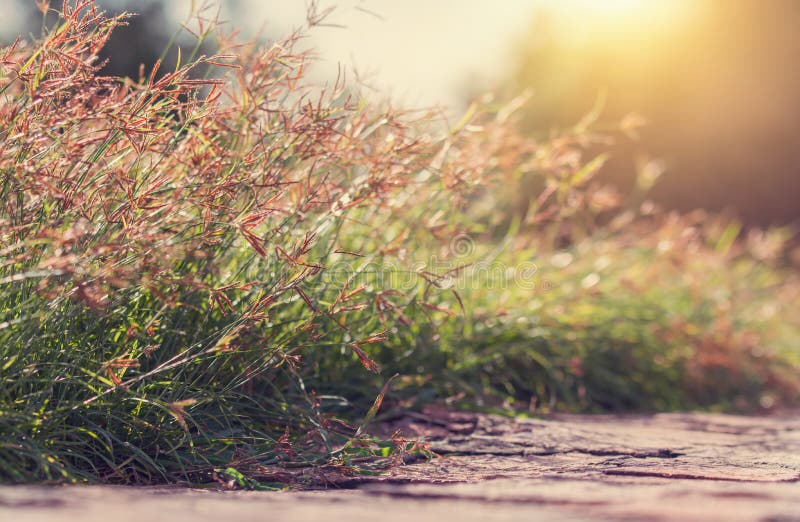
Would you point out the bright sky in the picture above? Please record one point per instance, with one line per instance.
(426, 52)
(430, 52)
(418, 51)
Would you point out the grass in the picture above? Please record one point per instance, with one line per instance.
(210, 275)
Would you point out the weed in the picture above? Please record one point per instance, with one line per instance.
(202, 273)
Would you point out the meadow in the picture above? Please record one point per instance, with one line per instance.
(223, 271)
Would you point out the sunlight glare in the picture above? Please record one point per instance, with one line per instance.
(581, 20)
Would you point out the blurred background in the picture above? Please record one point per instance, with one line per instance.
(716, 80)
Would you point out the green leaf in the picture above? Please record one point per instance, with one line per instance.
(589, 169)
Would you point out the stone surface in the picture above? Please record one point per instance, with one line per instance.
(685, 446)
(683, 467)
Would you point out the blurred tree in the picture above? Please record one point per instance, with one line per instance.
(719, 91)
(146, 37)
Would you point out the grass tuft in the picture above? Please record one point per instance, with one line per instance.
(208, 275)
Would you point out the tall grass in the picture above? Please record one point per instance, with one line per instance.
(203, 271)
(164, 251)
(660, 313)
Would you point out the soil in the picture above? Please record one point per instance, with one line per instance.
(682, 467)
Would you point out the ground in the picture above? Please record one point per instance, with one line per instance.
(682, 467)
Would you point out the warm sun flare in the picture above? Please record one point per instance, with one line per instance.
(582, 21)
(620, 11)
(615, 8)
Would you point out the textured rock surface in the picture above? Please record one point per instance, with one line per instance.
(663, 467)
(688, 446)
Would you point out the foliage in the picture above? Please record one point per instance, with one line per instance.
(202, 273)
(165, 243)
